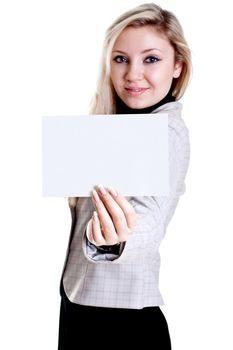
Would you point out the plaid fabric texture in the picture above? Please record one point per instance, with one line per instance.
(130, 279)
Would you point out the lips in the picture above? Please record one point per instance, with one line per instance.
(135, 91)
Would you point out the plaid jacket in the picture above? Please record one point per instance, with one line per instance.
(129, 278)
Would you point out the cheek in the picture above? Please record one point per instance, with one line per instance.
(157, 77)
(167, 75)
(114, 74)
(162, 79)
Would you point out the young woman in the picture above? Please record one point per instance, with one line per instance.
(109, 285)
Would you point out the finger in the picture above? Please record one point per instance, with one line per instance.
(126, 207)
(108, 229)
(116, 213)
(96, 235)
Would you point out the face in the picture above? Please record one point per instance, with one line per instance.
(143, 66)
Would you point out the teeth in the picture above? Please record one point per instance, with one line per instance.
(132, 90)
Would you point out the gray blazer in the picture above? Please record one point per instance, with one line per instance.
(130, 278)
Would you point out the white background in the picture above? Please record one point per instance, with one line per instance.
(49, 61)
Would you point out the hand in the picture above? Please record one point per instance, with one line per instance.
(114, 218)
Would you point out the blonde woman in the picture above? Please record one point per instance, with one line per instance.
(110, 281)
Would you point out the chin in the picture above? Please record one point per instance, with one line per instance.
(136, 105)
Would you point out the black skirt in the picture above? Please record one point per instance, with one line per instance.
(82, 327)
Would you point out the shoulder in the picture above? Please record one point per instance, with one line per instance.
(174, 107)
(175, 121)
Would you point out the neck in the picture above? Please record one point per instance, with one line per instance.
(122, 108)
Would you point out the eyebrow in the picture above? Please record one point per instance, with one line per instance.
(144, 51)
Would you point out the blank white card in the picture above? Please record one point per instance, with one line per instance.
(127, 152)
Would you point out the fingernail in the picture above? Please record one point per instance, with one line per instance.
(102, 190)
(112, 191)
(96, 197)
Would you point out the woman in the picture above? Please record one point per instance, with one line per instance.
(109, 284)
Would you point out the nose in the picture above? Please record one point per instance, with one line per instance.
(134, 72)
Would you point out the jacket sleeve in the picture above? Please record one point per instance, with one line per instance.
(153, 213)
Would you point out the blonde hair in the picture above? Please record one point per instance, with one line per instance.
(165, 22)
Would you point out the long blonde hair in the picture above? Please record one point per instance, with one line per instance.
(104, 100)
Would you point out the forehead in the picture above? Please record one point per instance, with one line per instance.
(141, 38)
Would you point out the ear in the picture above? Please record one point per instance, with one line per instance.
(177, 69)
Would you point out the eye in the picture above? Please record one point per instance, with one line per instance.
(152, 59)
(121, 59)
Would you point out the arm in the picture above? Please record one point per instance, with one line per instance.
(154, 213)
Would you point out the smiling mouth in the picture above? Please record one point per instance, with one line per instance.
(136, 91)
